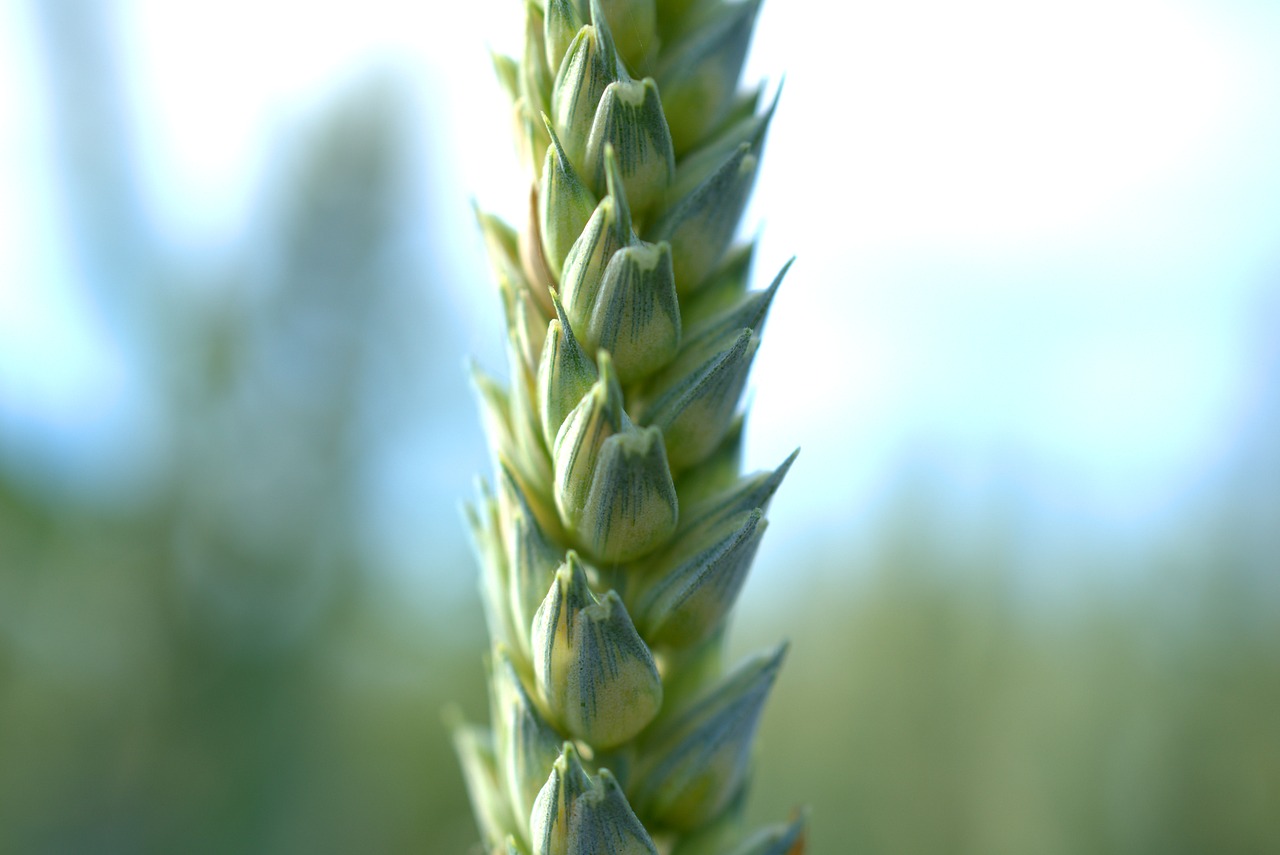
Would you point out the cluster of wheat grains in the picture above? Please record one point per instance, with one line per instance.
(619, 530)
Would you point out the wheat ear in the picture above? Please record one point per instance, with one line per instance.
(619, 531)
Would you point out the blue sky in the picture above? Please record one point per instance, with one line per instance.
(1032, 238)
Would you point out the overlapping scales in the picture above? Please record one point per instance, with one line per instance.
(620, 531)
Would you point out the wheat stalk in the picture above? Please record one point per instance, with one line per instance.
(619, 530)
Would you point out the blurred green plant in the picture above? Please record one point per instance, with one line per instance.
(955, 715)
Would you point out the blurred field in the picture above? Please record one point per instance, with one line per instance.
(213, 649)
(925, 711)
(936, 713)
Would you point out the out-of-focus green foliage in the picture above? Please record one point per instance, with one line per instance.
(127, 726)
(932, 710)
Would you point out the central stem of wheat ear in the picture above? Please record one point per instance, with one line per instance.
(619, 529)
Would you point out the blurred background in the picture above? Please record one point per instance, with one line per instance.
(1029, 558)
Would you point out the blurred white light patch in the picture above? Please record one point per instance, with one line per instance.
(216, 83)
(220, 82)
(995, 120)
(1019, 225)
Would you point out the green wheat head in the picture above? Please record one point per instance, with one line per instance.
(619, 530)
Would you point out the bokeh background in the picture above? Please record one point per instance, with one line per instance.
(1029, 558)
